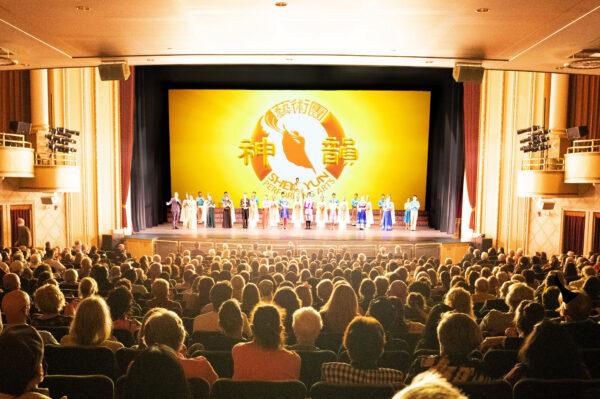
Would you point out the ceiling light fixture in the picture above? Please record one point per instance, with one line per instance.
(149, 59)
(482, 10)
(83, 8)
(429, 62)
(6, 58)
(281, 4)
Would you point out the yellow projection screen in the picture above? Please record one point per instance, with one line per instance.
(344, 141)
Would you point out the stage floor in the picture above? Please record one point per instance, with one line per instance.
(351, 234)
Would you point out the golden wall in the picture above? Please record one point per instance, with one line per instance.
(79, 100)
(512, 100)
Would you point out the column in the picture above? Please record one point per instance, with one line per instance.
(557, 118)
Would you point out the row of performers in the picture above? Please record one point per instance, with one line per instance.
(332, 213)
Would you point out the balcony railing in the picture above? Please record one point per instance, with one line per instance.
(55, 159)
(584, 146)
(543, 164)
(13, 140)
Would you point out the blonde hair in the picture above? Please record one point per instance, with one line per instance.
(70, 276)
(307, 323)
(164, 328)
(341, 308)
(458, 334)
(160, 288)
(92, 324)
(49, 299)
(459, 299)
(430, 384)
(87, 287)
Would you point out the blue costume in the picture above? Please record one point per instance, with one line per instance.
(386, 221)
(414, 213)
(285, 208)
(361, 216)
(407, 213)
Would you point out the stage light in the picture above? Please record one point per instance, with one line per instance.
(61, 140)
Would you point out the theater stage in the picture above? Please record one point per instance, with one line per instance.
(163, 239)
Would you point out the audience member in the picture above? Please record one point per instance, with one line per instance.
(265, 358)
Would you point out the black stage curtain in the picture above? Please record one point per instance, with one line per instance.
(150, 174)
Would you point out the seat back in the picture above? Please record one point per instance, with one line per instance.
(221, 361)
(329, 342)
(202, 337)
(499, 362)
(229, 389)
(124, 357)
(310, 369)
(498, 389)
(323, 390)
(591, 358)
(58, 332)
(124, 336)
(533, 388)
(77, 360)
(79, 386)
(199, 388)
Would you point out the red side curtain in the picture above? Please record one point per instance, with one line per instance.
(471, 104)
(15, 104)
(596, 239)
(573, 232)
(127, 109)
(584, 103)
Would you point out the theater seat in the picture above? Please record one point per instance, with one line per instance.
(124, 336)
(229, 389)
(330, 342)
(79, 386)
(310, 369)
(75, 360)
(58, 332)
(591, 358)
(498, 389)
(222, 362)
(533, 388)
(199, 388)
(499, 362)
(322, 390)
(124, 357)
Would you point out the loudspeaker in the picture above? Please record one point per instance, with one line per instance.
(107, 243)
(114, 71)
(467, 73)
(577, 132)
(53, 200)
(20, 127)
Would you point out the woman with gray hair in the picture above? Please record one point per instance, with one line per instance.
(307, 325)
(496, 322)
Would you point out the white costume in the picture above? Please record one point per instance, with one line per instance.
(332, 208)
(321, 217)
(414, 213)
(297, 211)
(343, 214)
(370, 218)
(189, 214)
(253, 213)
(274, 213)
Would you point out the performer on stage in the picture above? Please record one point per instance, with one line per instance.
(297, 210)
(245, 205)
(200, 205)
(343, 214)
(354, 204)
(266, 209)
(361, 214)
(333, 211)
(184, 214)
(192, 213)
(381, 203)
(414, 212)
(284, 205)
(386, 218)
(228, 211)
(175, 209)
(253, 215)
(210, 212)
(309, 206)
(274, 212)
(321, 212)
(369, 211)
(407, 214)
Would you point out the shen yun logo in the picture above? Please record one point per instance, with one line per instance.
(301, 139)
